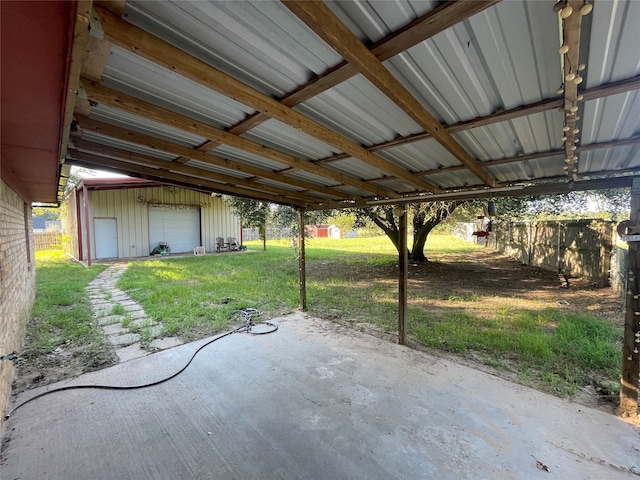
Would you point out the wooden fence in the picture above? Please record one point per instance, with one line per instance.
(576, 248)
(48, 240)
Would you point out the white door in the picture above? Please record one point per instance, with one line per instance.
(106, 238)
(179, 228)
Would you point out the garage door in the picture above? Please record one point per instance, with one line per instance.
(179, 228)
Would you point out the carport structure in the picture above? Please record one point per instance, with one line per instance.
(342, 104)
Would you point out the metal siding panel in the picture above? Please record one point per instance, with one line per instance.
(610, 159)
(285, 138)
(419, 156)
(138, 77)
(355, 168)
(518, 42)
(128, 146)
(613, 47)
(216, 169)
(261, 43)
(359, 111)
(241, 156)
(372, 20)
(313, 178)
(611, 118)
(136, 123)
(453, 179)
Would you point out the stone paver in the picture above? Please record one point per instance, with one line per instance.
(104, 296)
(155, 330)
(114, 329)
(109, 319)
(141, 322)
(125, 339)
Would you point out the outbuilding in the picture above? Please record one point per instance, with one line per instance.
(128, 218)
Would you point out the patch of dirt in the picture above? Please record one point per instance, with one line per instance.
(36, 370)
(480, 282)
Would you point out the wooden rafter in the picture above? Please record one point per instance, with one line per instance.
(104, 95)
(317, 16)
(571, 27)
(181, 151)
(149, 161)
(140, 42)
(533, 156)
(602, 91)
(81, 38)
(439, 19)
(136, 170)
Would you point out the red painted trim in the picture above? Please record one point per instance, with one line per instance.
(79, 225)
(86, 219)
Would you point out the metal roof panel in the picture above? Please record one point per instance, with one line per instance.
(261, 43)
(123, 119)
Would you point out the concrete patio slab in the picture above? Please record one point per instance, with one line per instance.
(311, 401)
(131, 352)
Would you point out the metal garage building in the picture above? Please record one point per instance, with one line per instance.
(125, 218)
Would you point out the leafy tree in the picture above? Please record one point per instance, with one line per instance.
(423, 217)
(253, 213)
(48, 213)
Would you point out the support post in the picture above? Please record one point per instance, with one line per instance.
(85, 198)
(631, 342)
(302, 263)
(402, 274)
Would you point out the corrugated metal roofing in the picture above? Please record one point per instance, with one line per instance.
(260, 43)
(140, 124)
(504, 57)
(285, 138)
(136, 76)
(124, 145)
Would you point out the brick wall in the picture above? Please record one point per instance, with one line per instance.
(17, 280)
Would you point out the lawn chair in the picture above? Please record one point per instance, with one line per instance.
(232, 243)
(220, 245)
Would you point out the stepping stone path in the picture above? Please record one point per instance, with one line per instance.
(113, 309)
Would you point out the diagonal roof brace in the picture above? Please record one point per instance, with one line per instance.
(320, 18)
(140, 42)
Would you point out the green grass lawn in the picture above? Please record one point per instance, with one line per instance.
(62, 340)
(351, 281)
(62, 313)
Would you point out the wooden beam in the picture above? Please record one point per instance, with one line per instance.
(552, 186)
(630, 357)
(149, 161)
(167, 177)
(180, 151)
(319, 17)
(623, 86)
(571, 27)
(140, 42)
(107, 96)
(91, 165)
(81, 37)
(428, 25)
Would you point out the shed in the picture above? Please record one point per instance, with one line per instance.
(328, 231)
(128, 218)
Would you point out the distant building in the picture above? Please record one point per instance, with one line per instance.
(328, 231)
(39, 224)
(124, 218)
